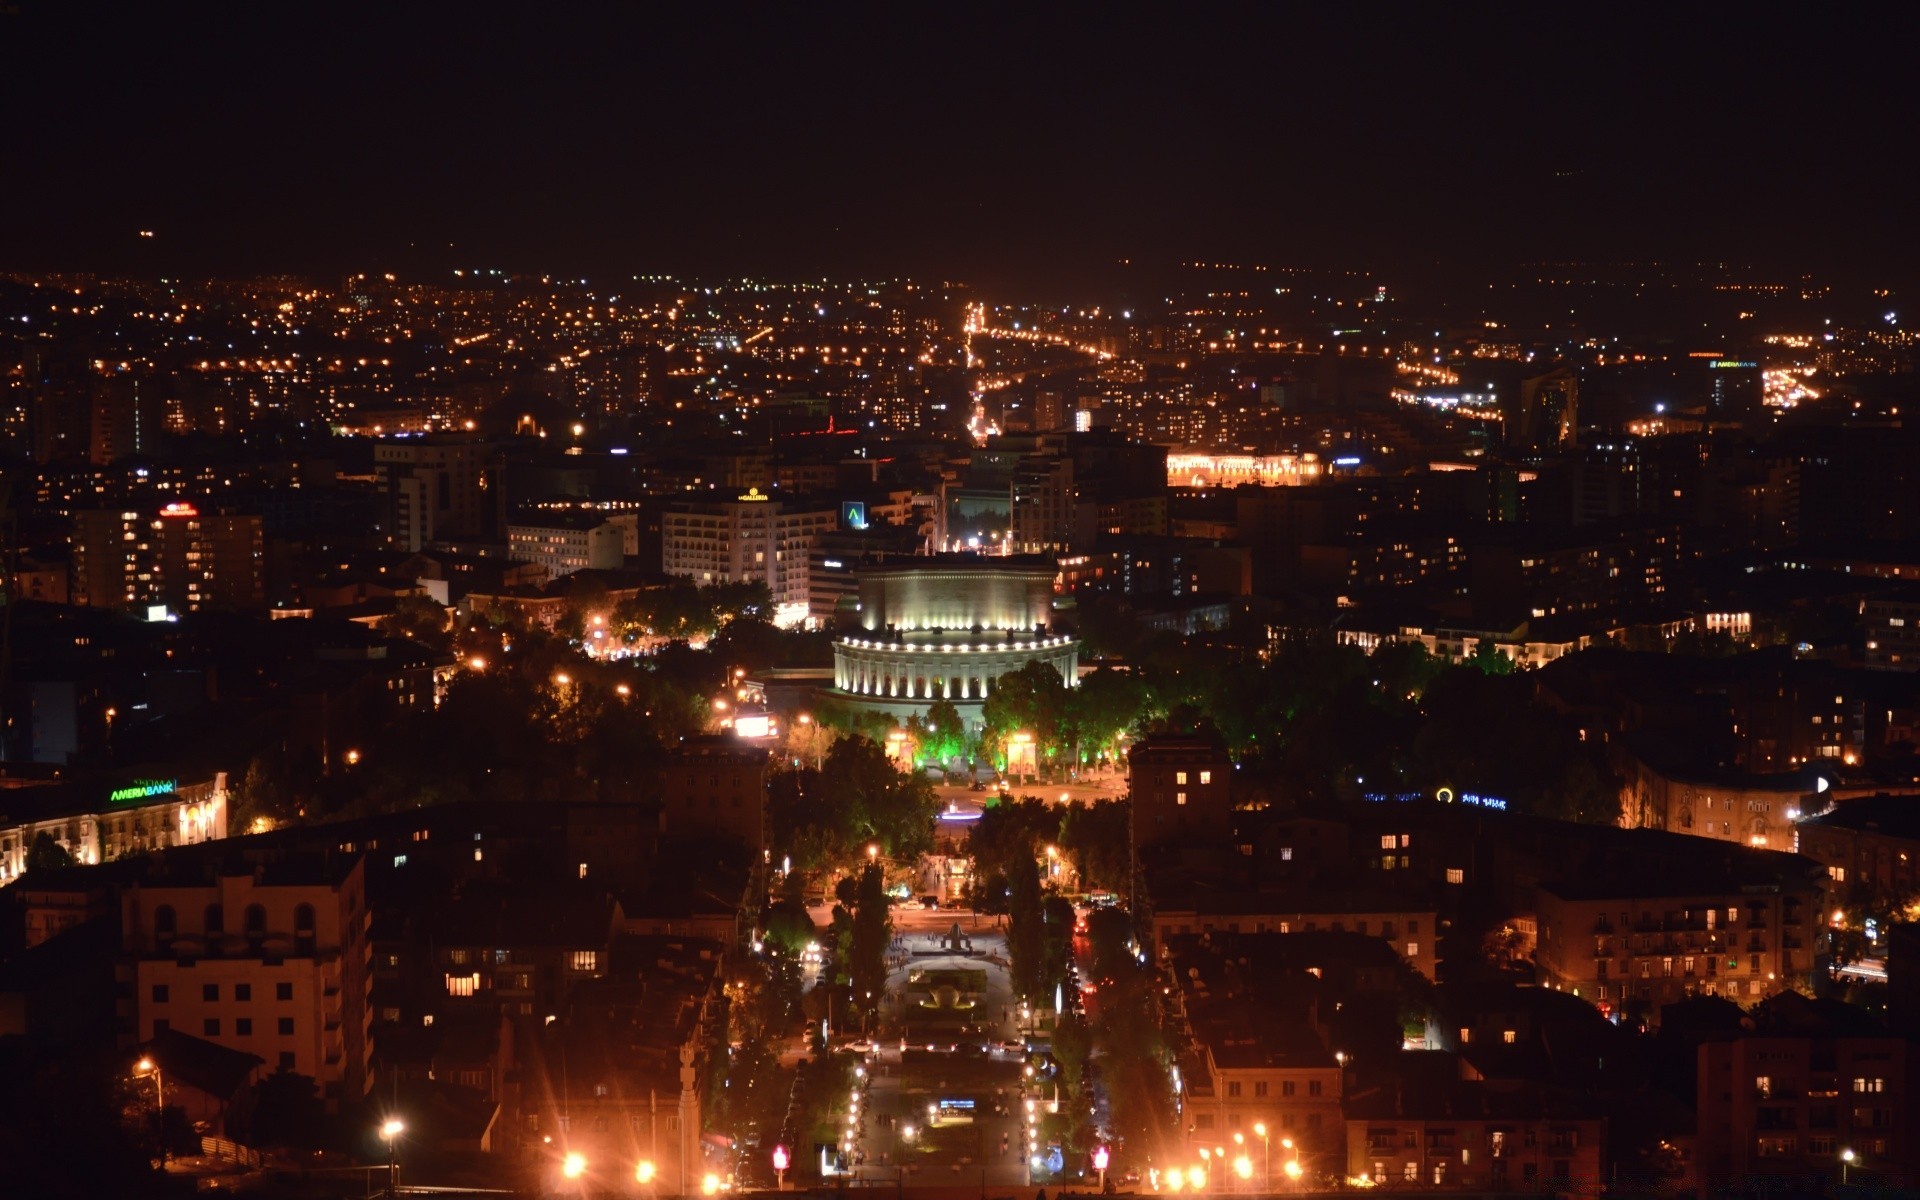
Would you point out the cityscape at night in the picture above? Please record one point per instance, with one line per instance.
(1249, 601)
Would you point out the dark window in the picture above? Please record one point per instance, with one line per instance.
(209, 991)
(163, 924)
(160, 993)
(210, 1027)
(216, 919)
(243, 1026)
(286, 1026)
(256, 921)
(243, 991)
(283, 991)
(286, 1060)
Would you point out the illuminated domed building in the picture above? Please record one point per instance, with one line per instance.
(948, 626)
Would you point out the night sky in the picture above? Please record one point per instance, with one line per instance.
(969, 141)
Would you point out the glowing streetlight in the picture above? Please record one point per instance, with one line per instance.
(1197, 1179)
(353, 757)
(709, 1184)
(573, 1166)
(1292, 1169)
(390, 1131)
(644, 1172)
(146, 1066)
(873, 852)
(1243, 1167)
(562, 678)
(1846, 1161)
(477, 663)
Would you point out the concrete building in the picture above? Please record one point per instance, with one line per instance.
(948, 627)
(1654, 939)
(437, 487)
(272, 961)
(176, 556)
(752, 539)
(1181, 785)
(1773, 1105)
(1412, 931)
(1433, 1130)
(98, 821)
(717, 784)
(572, 541)
(1870, 845)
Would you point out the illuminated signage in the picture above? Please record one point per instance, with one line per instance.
(177, 509)
(853, 514)
(1732, 362)
(143, 789)
(753, 494)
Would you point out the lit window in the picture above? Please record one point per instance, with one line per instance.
(1413, 949)
(585, 960)
(1389, 842)
(1456, 875)
(1180, 777)
(462, 985)
(1179, 797)
(1206, 777)
(1509, 1037)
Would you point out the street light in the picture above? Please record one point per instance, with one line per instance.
(644, 1172)
(780, 1161)
(573, 1166)
(391, 1131)
(1266, 1149)
(1846, 1160)
(146, 1066)
(1100, 1160)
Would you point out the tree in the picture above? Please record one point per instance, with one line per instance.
(866, 799)
(287, 1110)
(418, 619)
(46, 854)
(1026, 937)
(1106, 704)
(872, 930)
(1032, 699)
(942, 733)
(1489, 658)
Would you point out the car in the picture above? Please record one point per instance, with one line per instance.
(978, 785)
(929, 902)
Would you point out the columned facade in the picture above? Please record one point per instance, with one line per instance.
(949, 628)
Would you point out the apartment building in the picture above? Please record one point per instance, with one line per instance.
(271, 960)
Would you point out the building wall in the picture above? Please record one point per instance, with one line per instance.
(1412, 935)
(1527, 1155)
(189, 815)
(1771, 1106)
(1180, 785)
(717, 789)
(305, 967)
(1662, 949)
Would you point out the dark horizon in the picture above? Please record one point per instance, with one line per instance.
(1007, 149)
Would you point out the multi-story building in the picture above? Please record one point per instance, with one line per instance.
(98, 821)
(1779, 1105)
(1248, 1015)
(1891, 622)
(1412, 931)
(437, 487)
(1448, 1133)
(1181, 785)
(752, 539)
(522, 955)
(716, 784)
(271, 960)
(1729, 806)
(1649, 941)
(177, 557)
(572, 541)
(948, 628)
(1869, 845)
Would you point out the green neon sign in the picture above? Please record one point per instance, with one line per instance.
(142, 789)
